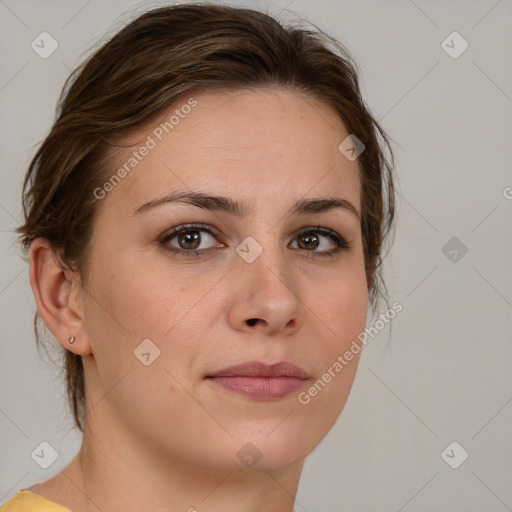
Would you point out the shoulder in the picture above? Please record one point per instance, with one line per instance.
(26, 501)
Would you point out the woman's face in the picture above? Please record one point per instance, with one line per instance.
(193, 294)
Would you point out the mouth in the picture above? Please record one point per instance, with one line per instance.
(261, 381)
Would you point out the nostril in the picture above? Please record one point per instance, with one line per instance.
(252, 321)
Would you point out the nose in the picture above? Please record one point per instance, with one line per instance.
(265, 296)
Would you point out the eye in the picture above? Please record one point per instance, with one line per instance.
(310, 239)
(188, 238)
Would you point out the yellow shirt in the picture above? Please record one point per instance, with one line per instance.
(26, 501)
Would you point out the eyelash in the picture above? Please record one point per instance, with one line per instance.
(341, 243)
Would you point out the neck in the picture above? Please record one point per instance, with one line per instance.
(108, 476)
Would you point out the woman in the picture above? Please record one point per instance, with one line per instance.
(205, 223)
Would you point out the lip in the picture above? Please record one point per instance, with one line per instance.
(259, 369)
(261, 381)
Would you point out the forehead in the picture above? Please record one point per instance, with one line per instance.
(248, 143)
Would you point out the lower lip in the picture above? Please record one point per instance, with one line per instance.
(260, 388)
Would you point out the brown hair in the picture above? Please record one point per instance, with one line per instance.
(148, 65)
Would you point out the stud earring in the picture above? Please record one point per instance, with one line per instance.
(71, 339)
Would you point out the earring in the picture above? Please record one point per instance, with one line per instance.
(71, 339)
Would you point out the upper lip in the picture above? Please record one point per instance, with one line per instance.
(259, 369)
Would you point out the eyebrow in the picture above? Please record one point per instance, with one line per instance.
(241, 209)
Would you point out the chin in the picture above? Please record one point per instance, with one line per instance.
(266, 449)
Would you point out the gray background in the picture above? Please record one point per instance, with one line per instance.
(446, 374)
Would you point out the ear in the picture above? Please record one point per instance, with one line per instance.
(58, 296)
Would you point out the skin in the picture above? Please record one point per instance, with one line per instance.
(162, 437)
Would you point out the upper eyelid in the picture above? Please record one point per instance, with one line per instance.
(183, 227)
(213, 230)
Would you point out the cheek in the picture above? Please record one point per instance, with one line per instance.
(342, 309)
(131, 301)
(125, 309)
(141, 299)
